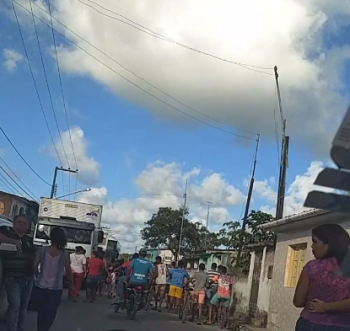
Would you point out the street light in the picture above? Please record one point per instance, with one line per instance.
(66, 195)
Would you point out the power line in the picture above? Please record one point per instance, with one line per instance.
(14, 174)
(6, 184)
(128, 80)
(61, 85)
(144, 80)
(48, 88)
(19, 186)
(34, 81)
(23, 159)
(164, 38)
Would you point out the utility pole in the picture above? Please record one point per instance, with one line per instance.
(247, 205)
(55, 177)
(182, 220)
(284, 156)
(207, 226)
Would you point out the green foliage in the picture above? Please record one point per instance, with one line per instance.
(163, 231)
(232, 233)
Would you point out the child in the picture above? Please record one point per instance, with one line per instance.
(109, 279)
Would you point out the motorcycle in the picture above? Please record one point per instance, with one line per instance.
(132, 303)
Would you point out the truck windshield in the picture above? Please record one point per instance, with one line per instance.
(73, 235)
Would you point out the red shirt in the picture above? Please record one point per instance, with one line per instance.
(95, 266)
(126, 264)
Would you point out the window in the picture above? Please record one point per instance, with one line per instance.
(296, 259)
(21, 211)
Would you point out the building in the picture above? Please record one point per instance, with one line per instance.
(166, 255)
(12, 205)
(208, 257)
(293, 250)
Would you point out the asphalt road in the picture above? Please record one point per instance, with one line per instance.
(99, 316)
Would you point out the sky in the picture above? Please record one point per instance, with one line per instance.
(140, 97)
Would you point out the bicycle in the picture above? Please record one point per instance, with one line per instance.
(221, 313)
(188, 306)
(149, 297)
(187, 290)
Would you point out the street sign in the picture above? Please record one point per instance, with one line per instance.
(328, 201)
(334, 178)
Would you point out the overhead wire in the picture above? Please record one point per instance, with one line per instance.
(19, 186)
(49, 92)
(62, 95)
(145, 81)
(164, 38)
(131, 82)
(33, 78)
(14, 174)
(7, 187)
(23, 159)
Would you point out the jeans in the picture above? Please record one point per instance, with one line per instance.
(121, 288)
(18, 292)
(48, 302)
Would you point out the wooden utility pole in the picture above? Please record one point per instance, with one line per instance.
(182, 220)
(55, 177)
(247, 206)
(284, 156)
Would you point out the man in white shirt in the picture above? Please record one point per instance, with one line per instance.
(161, 273)
(78, 266)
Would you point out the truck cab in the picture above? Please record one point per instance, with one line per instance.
(78, 233)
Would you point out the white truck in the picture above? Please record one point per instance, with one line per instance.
(80, 221)
(111, 246)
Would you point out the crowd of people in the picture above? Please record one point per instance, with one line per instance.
(36, 274)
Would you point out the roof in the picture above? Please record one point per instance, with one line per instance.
(314, 217)
(21, 198)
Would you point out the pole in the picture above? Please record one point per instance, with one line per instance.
(247, 205)
(53, 183)
(55, 178)
(182, 220)
(284, 155)
(207, 226)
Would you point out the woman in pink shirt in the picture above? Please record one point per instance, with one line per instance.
(323, 294)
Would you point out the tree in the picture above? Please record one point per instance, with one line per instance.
(232, 233)
(163, 231)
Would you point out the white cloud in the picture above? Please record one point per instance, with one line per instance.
(288, 33)
(296, 192)
(11, 59)
(162, 184)
(89, 169)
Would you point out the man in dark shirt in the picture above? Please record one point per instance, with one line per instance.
(18, 274)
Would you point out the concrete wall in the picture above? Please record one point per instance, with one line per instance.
(242, 291)
(282, 313)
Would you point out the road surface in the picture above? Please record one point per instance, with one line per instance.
(99, 316)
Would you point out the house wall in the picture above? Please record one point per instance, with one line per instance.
(282, 313)
(242, 291)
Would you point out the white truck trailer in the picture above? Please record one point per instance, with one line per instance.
(80, 221)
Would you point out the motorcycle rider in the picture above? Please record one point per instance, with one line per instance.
(122, 279)
(138, 271)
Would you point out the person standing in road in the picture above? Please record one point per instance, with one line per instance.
(53, 261)
(95, 265)
(18, 274)
(160, 276)
(78, 266)
(177, 277)
(201, 279)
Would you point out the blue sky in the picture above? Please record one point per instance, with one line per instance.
(124, 134)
